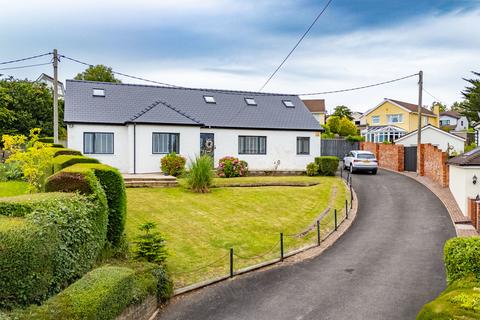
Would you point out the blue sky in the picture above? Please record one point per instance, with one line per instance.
(236, 44)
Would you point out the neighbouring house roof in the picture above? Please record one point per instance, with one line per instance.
(409, 107)
(315, 105)
(134, 103)
(430, 127)
(471, 158)
(48, 79)
(453, 114)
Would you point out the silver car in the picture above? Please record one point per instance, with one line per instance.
(359, 160)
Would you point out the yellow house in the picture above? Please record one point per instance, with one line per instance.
(393, 119)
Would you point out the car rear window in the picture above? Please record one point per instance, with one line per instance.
(365, 156)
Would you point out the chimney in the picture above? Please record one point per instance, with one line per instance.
(436, 111)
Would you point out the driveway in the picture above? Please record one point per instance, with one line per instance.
(386, 266)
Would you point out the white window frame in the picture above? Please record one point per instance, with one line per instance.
(166, 138)
(252, 145)
(375, 118)
(398, 116)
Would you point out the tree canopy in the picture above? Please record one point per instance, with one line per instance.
(342, 111)
(25, 105)
(471, 105)
(98, 73)
(342, 126)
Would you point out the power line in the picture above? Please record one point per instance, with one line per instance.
(28, 58)
(122, 74)
(358, 88)
(26, 66)
(296, 45)
(431, 95)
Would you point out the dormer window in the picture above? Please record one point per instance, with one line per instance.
(250, 101)
(99, 92)
(209, 99)
(288, 103)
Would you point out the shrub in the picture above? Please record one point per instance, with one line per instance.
(462, 257)
(312, 169)
(46, 140)
(200, 176)
(355, 138)
(150, 245)
(20, 206)
(470, 147)
(113, 185)
(67, 234)
(10, 171)
(229, 167)
(173, 164)
(61, 151)
(327, 165)
(62, 161)
(103, 293)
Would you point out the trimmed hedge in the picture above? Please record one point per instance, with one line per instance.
(60, 151)
(327, 165)
(462, 258)
(101, 294)
(23, 205)
(46, 140)
(62, 161)
(113, 185)
(60, 241)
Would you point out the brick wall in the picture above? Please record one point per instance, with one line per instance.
(141, 311)
(433, 162)
(474, 213)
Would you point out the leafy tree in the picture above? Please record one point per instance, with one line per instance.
(25, 104)
(471, 105)
(442, 107)
(333, 123)
(457, 106)
(347, 128)
(98, 73)
(343, 111)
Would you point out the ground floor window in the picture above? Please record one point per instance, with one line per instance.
(303, 145)
(98, 143)
(252, 145)
(164, 142)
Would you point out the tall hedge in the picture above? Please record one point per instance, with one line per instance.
(61, 151)
(462, 257)
(114, 187)
(59, 242)
(62, 161)
(327, 165)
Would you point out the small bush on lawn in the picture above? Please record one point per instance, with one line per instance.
(327, 165)
(462, 257)
(104, 293)
(312, 169)
(62, 161)
(229, 167)
(11, 171)
(150, 246)
(173, 164)
(65, 234)
(200, 176)
(113, 185)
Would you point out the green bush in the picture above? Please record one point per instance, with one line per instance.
(462, 258)
(62, 151)
(64, 237)
(229, 167)
(46, 140)
(62, 161)
(82, 182)
(200, 176)
(102, 293)
(312, 169)
(355, 138)
(114, 187)
(461, 300)
(470, 147)
(11, 171)
(327, 165)
(173, 164)
(150, 246)
(20, 206)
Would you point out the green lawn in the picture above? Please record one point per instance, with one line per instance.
(200, 228)
(12, 188)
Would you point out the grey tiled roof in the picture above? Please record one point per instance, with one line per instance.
(124, 103)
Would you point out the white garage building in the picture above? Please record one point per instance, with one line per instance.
(131, 127)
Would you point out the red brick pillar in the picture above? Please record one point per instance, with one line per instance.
(477, 213)
(472, 210)
(421, 160)
(401, 158)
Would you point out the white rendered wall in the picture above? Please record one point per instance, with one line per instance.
(461, 185)
(281, 145)
(119, 159)
(436, 138)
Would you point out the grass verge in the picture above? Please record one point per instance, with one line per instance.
(13, 188)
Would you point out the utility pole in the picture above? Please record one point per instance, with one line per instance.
(55, 95)
(419, 129)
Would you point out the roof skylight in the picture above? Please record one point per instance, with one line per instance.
(288, 103)
(250, 101)
(99, 92)
(209, 99)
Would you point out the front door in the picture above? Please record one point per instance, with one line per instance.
(207, 144)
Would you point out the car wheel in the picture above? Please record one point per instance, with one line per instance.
(374, 171)
(351, 169)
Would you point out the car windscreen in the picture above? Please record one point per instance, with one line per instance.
(365, 156)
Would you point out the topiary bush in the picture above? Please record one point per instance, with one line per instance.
(104, 293)
(229, 167)
(462, 257)
(62, 161)
(327, 165)
(60, 241)
(312, 169)
(200, 177)
(46, 140)
(61, 151)
(173, 164)
(113, 185)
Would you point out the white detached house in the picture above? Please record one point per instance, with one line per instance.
(131, 127)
